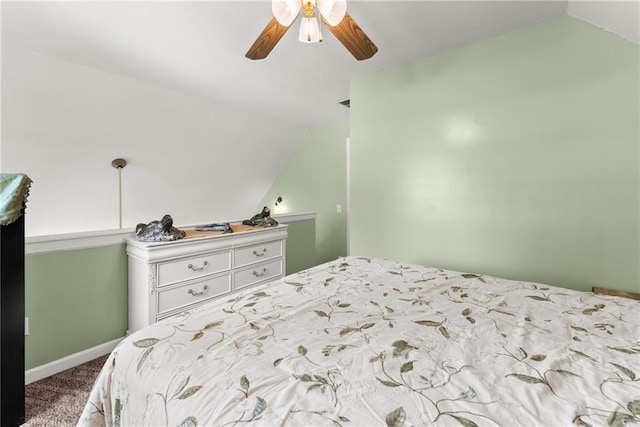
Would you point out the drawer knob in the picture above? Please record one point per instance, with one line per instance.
(195, 294)
(194, 268)
(261, 253)
(264, 271)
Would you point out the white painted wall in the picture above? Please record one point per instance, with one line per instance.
(198, 160)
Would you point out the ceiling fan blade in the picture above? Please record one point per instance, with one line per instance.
(267, 40)
(353, 38)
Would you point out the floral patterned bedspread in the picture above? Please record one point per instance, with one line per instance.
(368, 342)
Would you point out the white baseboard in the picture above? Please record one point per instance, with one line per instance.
(68, 362)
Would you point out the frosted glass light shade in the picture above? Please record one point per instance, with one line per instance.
(285, 11)
(332, 10)
(309, 30)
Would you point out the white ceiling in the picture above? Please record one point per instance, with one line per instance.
(619, 17)
(199, 47)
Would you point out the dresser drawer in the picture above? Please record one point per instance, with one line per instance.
(257, 273)
(256, 253)
(192, 268)
(161, 274)
(187, 294)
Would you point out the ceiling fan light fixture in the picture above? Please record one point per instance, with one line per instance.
(285, 11)
(332, 11)
(309, 30)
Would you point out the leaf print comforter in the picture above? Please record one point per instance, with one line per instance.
(372, 342)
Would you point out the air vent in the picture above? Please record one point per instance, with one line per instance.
(346, 102)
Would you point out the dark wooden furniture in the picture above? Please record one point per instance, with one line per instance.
(12, 323)
(605, 291)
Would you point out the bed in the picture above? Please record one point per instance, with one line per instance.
(365, 342)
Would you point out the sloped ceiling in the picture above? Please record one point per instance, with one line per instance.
(199, 47)
(619, 17)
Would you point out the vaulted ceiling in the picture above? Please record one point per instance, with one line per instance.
(199, 47)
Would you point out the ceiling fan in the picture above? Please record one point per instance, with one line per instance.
(333, 13)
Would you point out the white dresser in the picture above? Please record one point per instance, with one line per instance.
(166, 278)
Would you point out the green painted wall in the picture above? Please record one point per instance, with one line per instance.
(517, 156)
(74, 301)
(314, 180)
(301, 245)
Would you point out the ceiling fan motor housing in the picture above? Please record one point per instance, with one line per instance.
(286, 11)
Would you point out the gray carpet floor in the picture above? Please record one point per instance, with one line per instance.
(58, 401)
